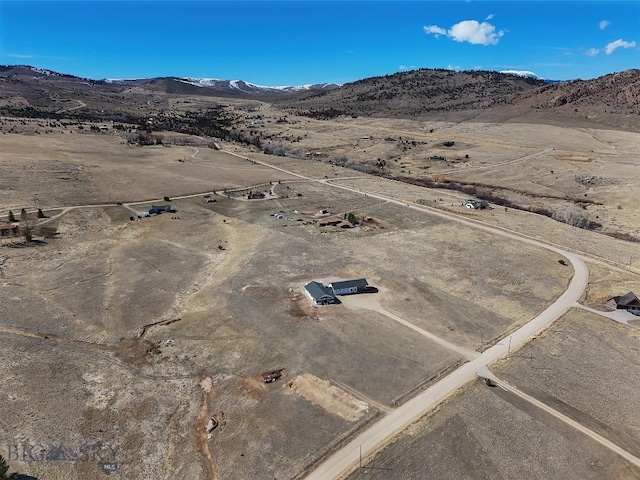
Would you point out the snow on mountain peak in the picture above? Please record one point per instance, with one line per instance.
(522, 73)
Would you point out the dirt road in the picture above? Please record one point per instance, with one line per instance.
(367, 302)
(373, 439)
(484, 167)
(569, 421)
(370, 441)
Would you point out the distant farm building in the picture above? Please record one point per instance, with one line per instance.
(9, 229)
(476, 204)
(627, 302)
(158, 209)
(319, 294)
(349, 287)
(255, 195)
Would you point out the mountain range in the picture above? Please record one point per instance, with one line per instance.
(612, 99)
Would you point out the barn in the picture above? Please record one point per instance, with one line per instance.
(349, 287)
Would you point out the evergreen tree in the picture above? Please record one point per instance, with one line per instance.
(40, 214)
(4, 468)
(12, 217)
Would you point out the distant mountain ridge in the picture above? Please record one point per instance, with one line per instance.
(612, 100)
(211, 84)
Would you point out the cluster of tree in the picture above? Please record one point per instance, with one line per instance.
(351, 218)
(143, 138)
(274, 149)
(322, 113)
(574, 215)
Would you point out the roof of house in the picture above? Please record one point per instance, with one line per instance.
(628, 299)
(160, 208)
(359, 283)
(318, 291)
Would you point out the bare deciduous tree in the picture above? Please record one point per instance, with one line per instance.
(572, 215)
(25, 226)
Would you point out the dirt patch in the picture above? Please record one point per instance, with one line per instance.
(572, 158)
(137, 351)
(330, 398)
(206, 386)
(298, 306)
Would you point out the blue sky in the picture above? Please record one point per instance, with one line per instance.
(298, 41)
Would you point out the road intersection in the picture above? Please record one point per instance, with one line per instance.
(374, 438)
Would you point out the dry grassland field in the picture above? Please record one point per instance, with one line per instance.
(123, 336)
(584, 366)
(58, 170)
(483, 433)
(533, 164)
(587, 367)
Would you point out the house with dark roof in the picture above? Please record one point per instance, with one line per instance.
(158, 209)
(476, 204)
(320, 294)
(628, 302)
(349, 287)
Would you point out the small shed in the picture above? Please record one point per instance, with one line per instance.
(320, 294)
(349, 287)
(9, 229)
(629, 302)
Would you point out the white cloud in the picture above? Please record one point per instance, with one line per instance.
(405, 68)
(453, 67)
(435, 30)
(490, 16)
(470, 31)
(592, 52)
(604, 24)
(19, 55)
(476, 33)
(613, 46)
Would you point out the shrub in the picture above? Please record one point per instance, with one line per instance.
(572, 215)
